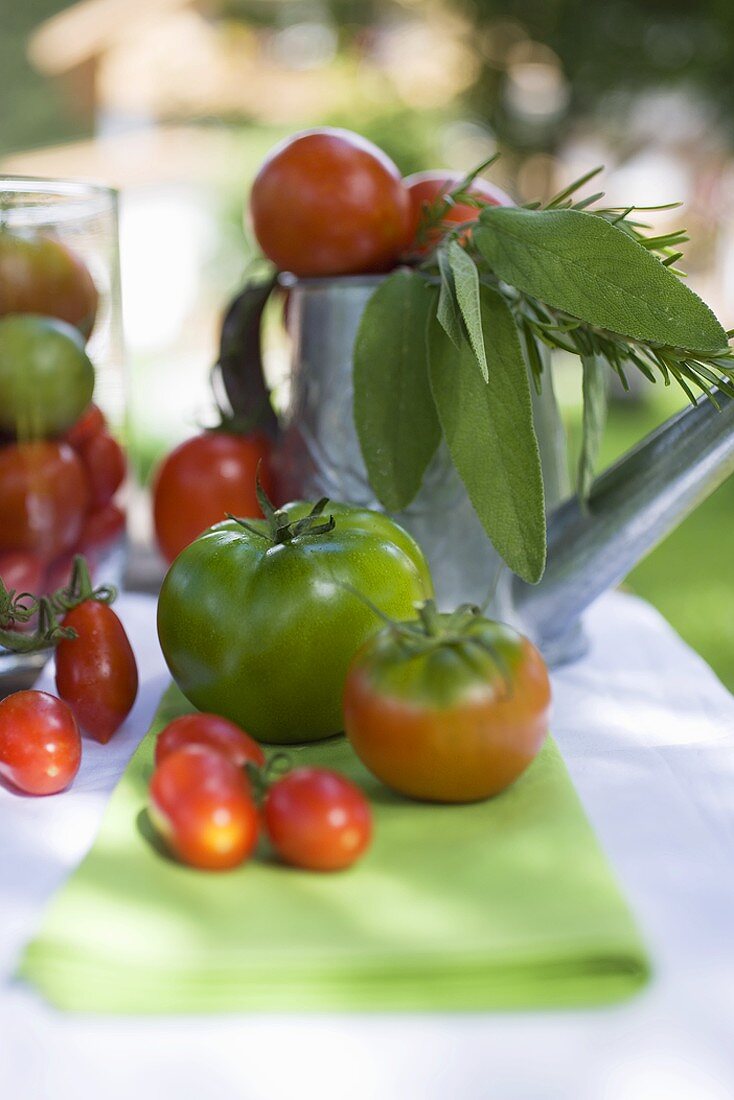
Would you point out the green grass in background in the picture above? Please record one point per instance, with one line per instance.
(689, 576)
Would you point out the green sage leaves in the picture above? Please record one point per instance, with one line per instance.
(582, 264)
(393, 409)
(488, 427)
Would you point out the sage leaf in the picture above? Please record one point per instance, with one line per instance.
(490, 435)
(394, 413)
(595, 378)
(582, 264)
(466, 282)
(448, 308)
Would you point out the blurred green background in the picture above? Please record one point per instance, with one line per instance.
(176, 102)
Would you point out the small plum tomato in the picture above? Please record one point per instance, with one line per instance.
(40, 746)
(200, 805)
(447, 708)
(329, 202)
(96, 672)
(211, 732)
(317, 819)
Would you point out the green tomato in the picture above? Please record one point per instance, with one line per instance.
(259, 620)
(46, 377)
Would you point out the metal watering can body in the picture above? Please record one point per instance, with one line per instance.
(632, 507)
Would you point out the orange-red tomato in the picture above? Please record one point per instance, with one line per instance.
(39, 274)
(91, 422)
(96, 672)
(44, 497)
(40, 746)
(202, 480)
(211, 732)
(329, 202)
(317, 819)
(424, 188)
(200, 804)
(452, 721)
(104, 461)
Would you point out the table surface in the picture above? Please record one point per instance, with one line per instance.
(647, 732)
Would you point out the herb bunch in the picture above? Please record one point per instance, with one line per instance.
(447, 348)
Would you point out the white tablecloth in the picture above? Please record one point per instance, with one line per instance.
(647, 732)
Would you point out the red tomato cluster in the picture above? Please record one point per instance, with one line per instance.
(328, 202)
(203, 805)
(57, 500)
(97, 683)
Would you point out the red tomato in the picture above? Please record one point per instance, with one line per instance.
(41, 275)
(329, 202)
(104, 461)
(201, 480)
(425, 187)
(200, 804)
(101, 528)
(40, 746)
(96, 672)
(90, 423)
(21, 571)
(317, 819)
(447, 721)
(211, 732)
(44, 496)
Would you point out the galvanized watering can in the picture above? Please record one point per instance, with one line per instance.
(633, 505)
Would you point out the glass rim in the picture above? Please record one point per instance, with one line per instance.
(53, 200)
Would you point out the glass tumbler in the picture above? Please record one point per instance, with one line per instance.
(62, 397)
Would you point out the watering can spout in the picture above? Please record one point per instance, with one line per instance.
(632, 507)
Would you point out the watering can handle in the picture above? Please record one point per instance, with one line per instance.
(632, 507)
(240, 365)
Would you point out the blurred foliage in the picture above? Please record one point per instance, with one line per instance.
(610, 51)
(32, 113)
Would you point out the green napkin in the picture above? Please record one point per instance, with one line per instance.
(502, 904)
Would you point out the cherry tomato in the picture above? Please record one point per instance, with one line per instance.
(21, 571)
(200, 804)
(40, 746)
(317, 819)
(101, 528)
(424, 188)
(91, 422)
(44, 496)
(202, 480)
(96, 672)
(454, 714)
(329, 202)
(39, 274)
(211, 732)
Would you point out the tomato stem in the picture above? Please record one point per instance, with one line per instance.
(280, 528)
(80, 589)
